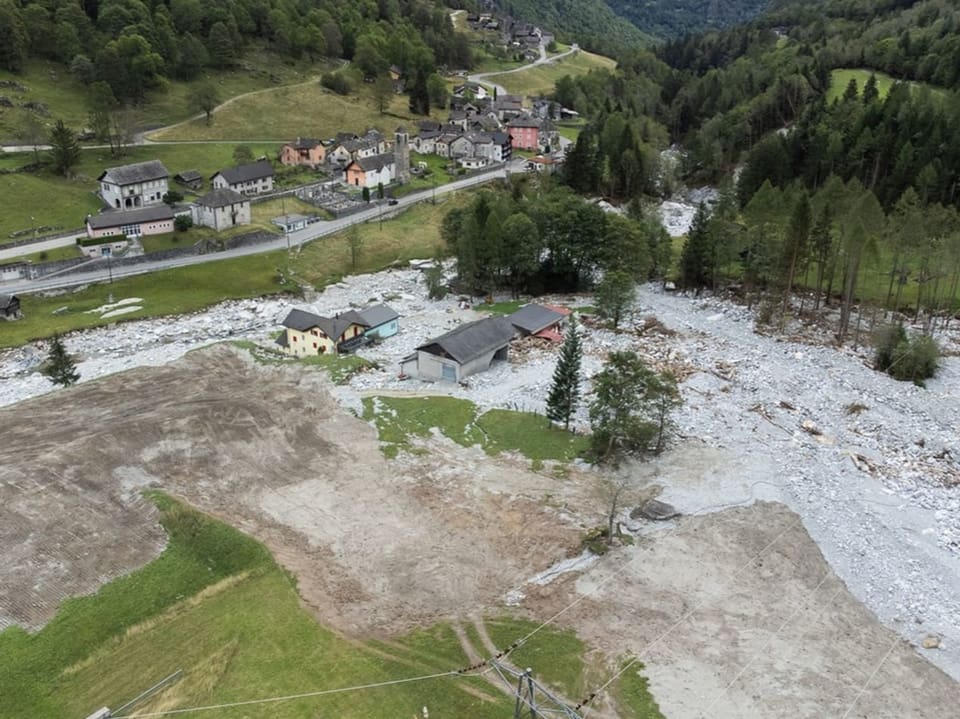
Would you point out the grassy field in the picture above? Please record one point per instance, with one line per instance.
(839, 79)
(303, 110)
(399, 418)
(216, 605)
(28, 195)
(415, 233)
(65, 97)
(540, 80)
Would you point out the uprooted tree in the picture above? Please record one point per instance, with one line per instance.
(631, 413)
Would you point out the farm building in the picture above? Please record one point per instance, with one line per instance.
(540, 321)
(466, 350)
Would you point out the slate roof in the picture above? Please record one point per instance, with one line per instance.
(376, 162)
(189, 176)
(472, 340)
(221, 198)
(133, 217)
(304, 143)
(533, 318)
(137, 172)
(300, 320)
(246, 173)
(525, 122)
(333, 327)
(378, 315)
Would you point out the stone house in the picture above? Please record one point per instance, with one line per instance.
(303, 151)
(131, 186)
(252, 179)
(221, 209)
(371, 171)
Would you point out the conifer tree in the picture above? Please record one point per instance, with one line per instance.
(565, 391)
(60, 367)
(64, 149)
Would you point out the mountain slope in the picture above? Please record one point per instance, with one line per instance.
(591, 23)
(674, 18)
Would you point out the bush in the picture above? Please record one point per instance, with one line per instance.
(172, 197)
(337, 81)
(182, 223)
(905, 358)
(436, 288)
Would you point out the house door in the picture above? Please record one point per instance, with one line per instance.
(450, 373)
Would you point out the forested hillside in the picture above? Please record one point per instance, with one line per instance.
(674, 18)
(590, 23)
(841, 125)
(134, 46)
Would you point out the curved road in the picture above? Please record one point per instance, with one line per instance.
(293, 239)
(544, 60)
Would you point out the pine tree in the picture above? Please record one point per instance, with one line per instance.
(696, 260)
(64, 149)
(565, 391)
(60, 368)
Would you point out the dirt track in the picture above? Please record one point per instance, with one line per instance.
(735, 614)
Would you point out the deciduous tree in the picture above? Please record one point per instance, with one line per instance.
(614, 295)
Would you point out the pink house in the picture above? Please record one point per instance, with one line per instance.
(525, 133)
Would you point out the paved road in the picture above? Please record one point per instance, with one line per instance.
(294, 239)
(10, 252)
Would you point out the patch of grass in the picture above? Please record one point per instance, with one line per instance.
(170, 292)
(261, 213)
(412, 234)
(531, 435)
(53, 254)
(217, 606)
(500, 308)
(632, 693)
(540, 80)
(570, 130)
(556, 659)
(26, 202)
(340, 367)
(283, 113)
(399, 418)
(438, 175)
(167, 241)
(839, 79)
(200, 551)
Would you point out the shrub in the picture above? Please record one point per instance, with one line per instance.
(182, 223)
(172, 197)
(905, 358)
(436, 287)
(337, 81)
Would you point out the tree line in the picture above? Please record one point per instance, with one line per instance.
(545, 238)
(134, 46)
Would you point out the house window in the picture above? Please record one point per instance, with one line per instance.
(314, 345)
(294, 338)
(129, 230)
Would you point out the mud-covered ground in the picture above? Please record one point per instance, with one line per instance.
(735, 611)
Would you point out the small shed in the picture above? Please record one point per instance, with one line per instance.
(381, 321)
(189, 178)
(291, 222)
(9, 307)
(539, 320)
